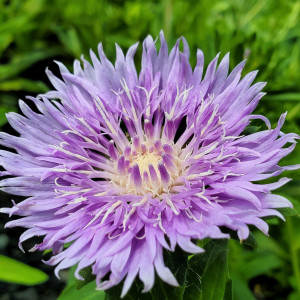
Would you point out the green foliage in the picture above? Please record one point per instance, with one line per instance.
(34, 30)
(88, 277)
(88, 292)
(85, 290)
(208, 273)
(276, 259)
(14, 271)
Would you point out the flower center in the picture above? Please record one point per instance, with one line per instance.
(147, 167)
(143, 160)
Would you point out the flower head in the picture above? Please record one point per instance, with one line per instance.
(123, 165)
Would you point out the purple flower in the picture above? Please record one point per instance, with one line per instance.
(122, 165)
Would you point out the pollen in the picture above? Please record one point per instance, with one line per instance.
(143, 160)
(147, 166)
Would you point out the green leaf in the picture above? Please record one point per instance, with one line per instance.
(3, 111)
(23, 61)
(88, 292)
(250, 130)
(240, 287)
(177, 261)
(283, 97)
(261, 264)
(5, 40)
(23, 84)
(216, 271)
(134, 293)
(70, 40)
(228, 290)
(288, 212)
(163, 291)
(250, 241)
(208, 273)
(193, 287)
(88, 276)
(14, 271)
(294, 296)
(269, 244)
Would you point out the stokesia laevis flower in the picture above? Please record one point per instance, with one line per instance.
(122, 165)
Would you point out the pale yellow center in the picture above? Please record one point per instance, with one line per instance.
(143, 160)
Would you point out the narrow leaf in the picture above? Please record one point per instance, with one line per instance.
(88, 292)
(14, 271)
(216, 271)
(208, 273)
(88, 276)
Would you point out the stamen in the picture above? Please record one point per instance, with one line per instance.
(127, 91)
(157, 145)
(149, 129)
(164, 175)
(160, 223)
(110, 210)
(146, 167)
(82, 120)
(112, 150)
(153, 174)
(148, 96)
(192, 216)
(102, 111)
(200, 195)
(77, 200)
(171, 204)
(145, 178)
(168, 149)
(144, 148)
(126, 217)
(121, 165)
(210, 149)
(71, 153)
(136, 176)
(168, 162)
(127, 151)
(136, 143)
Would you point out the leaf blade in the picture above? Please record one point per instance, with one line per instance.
(14, 271)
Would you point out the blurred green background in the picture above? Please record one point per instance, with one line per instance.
(35, 32)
